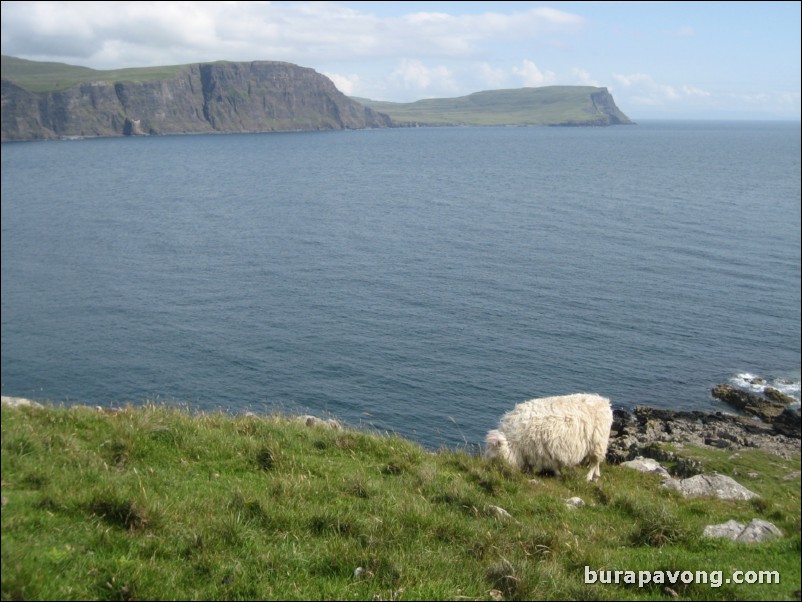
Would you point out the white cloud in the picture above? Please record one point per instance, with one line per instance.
(458, 35)
(489, 76)
(583, 78)
(347, 84)
(118, 34)
(693, 91)
(790, 98)
(644, 90)
(641, 90)
(531, 75)
(787, 99)
(412, 74)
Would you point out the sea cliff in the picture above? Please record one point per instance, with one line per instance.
(260, 96)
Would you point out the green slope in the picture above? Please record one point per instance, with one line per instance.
(153, 503)
(550, 105)
(53, 77)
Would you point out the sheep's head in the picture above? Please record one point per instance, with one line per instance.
(496, 445)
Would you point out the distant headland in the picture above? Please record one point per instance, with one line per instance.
(549, 105)
(42, 100)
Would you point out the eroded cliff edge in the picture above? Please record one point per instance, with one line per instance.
(260, 96)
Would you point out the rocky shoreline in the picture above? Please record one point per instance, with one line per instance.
(773, 426)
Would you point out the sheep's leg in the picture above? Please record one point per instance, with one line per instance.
(595, 471)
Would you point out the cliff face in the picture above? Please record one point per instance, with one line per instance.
(261, 96)
(609, 113)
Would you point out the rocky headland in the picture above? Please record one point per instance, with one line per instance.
(260, 96)
(565, 106)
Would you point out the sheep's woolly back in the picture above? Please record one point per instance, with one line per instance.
(554, 432)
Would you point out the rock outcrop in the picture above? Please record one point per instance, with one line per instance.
(260, 96)
(636, 433)
(776, 408)
(699, 485)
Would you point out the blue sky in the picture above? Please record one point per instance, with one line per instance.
(683, 60)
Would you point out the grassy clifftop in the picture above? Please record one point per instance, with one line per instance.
(158, 503)
(549, 105)
(38, 76)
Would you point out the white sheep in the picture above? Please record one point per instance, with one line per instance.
(554, 432)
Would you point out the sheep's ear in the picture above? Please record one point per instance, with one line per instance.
(493, 439)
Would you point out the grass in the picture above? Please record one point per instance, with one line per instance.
(37, 76)
(549, 105)
(159, 503)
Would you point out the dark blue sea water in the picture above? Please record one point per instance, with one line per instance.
(421, 281)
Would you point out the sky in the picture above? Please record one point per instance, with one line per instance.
(660, 60)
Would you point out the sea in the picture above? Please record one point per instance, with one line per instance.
(418, 281)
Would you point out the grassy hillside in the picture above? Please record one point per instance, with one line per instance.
(53, 77)
(155, 503)
(549, 105)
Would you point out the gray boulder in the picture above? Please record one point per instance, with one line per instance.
(756, 531)
(18, 402)
(765, 409)
(719, 486)
(649, 465)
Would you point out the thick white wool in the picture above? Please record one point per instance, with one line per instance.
(554, 432)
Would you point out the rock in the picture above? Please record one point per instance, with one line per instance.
(499, 512)
(756, 531)
(778, 396)
(574, 503)
(717, 442)
(763, 408)
(642, 464)
(314, 421)
(759, 530)
(17, 402)
(729, 530)
(640, 432)
(719, 486)
(788, 423)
